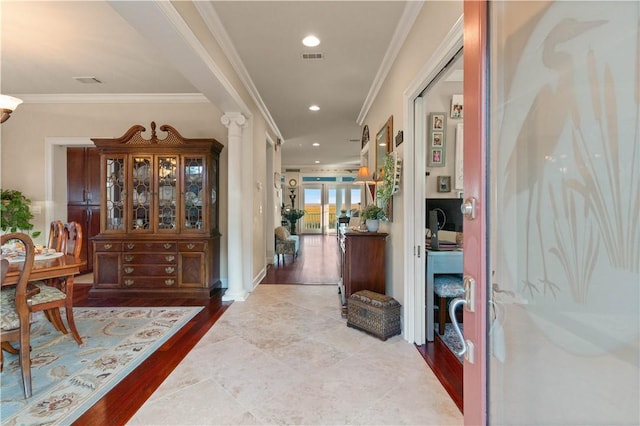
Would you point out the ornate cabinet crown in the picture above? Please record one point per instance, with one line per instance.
(159, 222)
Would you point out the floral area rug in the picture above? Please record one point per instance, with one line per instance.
(67, 379)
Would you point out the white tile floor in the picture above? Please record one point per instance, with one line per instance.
(285, 356)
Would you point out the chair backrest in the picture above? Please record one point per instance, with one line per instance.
(72, 239)
(4, 268)
(27, 266)
(55, 235)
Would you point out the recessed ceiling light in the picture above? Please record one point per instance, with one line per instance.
(317, 161)
(311, 41)
(315, 144)
(314, 108)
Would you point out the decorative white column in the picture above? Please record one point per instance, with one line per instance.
(234, 122)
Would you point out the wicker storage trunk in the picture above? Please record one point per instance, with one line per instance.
(374, 313)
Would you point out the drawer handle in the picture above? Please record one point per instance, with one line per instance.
(130, 246)
(169, 282)
(170, 258)
(128, 283)
(128, 258)
(169, 269)
(129, 270)
(108, 246)
(167, 246)
(191, 246)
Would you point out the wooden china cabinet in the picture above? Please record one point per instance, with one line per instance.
(159, 231)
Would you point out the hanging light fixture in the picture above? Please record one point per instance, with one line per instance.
(7, 105)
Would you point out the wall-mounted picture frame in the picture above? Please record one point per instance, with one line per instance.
(435, 158)
(384, 146)
(444, 183)
(457, 109)
(365, 136)
(437, 140)
(437, 121)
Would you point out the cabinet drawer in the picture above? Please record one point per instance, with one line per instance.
(192, 246)
(149, 282)
(109, 246)
(154, 259)
(149, 270)
(150, 247)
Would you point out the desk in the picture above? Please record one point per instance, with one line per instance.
(58, 267)
(439, 262)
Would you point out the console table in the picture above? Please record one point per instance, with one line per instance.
(439, 262)
(362, 263)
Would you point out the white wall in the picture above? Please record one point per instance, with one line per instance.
(432, 24)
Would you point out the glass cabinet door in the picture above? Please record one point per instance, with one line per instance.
(141, 193)
(115, 193)
(167, 167)
(193, 193)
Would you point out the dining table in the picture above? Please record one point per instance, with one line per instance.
(46, 267)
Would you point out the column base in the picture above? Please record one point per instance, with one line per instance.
(237, 296)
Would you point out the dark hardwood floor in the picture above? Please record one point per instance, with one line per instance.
(122, 402)
(447, 368)
(318, 263)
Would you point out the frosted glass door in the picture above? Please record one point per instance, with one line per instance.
(565, 228)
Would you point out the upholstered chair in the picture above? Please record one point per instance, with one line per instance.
(286, 244)
(15, 323)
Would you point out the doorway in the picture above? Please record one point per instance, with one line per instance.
(324, 203)
(417, 186)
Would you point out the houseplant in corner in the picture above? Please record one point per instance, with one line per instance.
(372, 215)
(15, 213)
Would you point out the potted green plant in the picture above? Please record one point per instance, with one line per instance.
(15, 213)
(372, 215)
(292, 215)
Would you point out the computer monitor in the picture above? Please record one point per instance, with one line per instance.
(447, 210)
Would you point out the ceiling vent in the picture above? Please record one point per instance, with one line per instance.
(312, 56)
(354, 140)
(87, 80)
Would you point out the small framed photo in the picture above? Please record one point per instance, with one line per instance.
(437, 121)
(436, 157)
(444, 183)
(457, 106)
(437, 139)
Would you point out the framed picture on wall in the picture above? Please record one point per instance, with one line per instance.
(437, 121)
(437, 140)
(436, 157)
(444, 183)
(456, 106)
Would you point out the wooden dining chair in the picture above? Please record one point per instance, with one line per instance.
(14, 310)
(55, 235)
(52, 297)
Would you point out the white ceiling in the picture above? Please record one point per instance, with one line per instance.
(46, 44)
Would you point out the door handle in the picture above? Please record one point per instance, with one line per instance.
(454, 321)
(467, 345)
(468, 208)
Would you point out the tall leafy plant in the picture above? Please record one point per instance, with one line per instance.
(15, 213)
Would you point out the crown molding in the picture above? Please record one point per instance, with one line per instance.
(409, 15)
(216, 27)
(115, 98)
